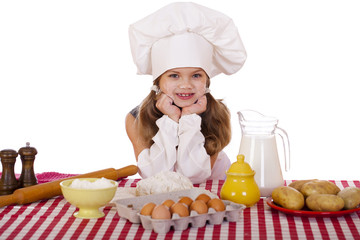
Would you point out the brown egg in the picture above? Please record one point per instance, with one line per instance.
(216, 204)
(180, 208)
(204, 197)
(161, 212)
(168, 203)
(147, 209)
(199, 206)
(186, 200)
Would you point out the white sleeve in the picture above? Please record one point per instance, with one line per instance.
(161, 156)
(221, 165)
(192, 159)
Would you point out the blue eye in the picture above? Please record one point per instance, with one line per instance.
(197, 75)
(174, 75)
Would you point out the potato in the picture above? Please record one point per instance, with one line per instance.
(351, 197)
(324, 202)
(288, 197)
(299, 183)
(319, 187)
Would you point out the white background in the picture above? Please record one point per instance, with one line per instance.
(67, 80)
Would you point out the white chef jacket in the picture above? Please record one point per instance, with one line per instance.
(180, 147)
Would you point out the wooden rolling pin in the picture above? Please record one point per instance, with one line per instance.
(52, 189)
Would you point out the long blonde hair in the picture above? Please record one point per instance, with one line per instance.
(215, 124)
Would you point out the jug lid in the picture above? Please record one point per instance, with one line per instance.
(240, 166)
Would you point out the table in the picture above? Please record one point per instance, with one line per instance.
(52, 219)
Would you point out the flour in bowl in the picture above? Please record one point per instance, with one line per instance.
(165, 181)
(85, 184)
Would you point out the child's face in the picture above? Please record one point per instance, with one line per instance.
(184, 85)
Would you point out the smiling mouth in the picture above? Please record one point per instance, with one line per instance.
(185, 94)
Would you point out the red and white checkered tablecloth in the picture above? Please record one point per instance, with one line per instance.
(52, 219)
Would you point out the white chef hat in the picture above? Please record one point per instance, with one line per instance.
(186, 34)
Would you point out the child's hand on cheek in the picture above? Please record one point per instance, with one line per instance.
(198, 107)
(165, 105)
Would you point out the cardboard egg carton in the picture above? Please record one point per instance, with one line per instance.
(130, 209)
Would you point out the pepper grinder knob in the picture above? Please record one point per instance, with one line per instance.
(27, 155)
(8, 182)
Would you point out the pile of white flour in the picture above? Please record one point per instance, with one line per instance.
(85, 184)
(163, 182)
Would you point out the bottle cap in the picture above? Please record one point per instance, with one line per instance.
(240, 166)
(27, 151)
(8, 153)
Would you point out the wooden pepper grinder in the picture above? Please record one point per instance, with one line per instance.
(27, 177)
(8, 182)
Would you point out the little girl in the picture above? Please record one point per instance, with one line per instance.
(180, 126)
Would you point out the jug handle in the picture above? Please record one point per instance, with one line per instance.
(286, 144)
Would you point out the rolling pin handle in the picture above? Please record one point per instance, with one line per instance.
(8, 200)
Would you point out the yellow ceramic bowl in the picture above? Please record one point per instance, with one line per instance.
(88, 200)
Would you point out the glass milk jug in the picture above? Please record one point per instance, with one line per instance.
(258, 145)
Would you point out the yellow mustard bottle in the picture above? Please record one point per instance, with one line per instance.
(240, 186)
